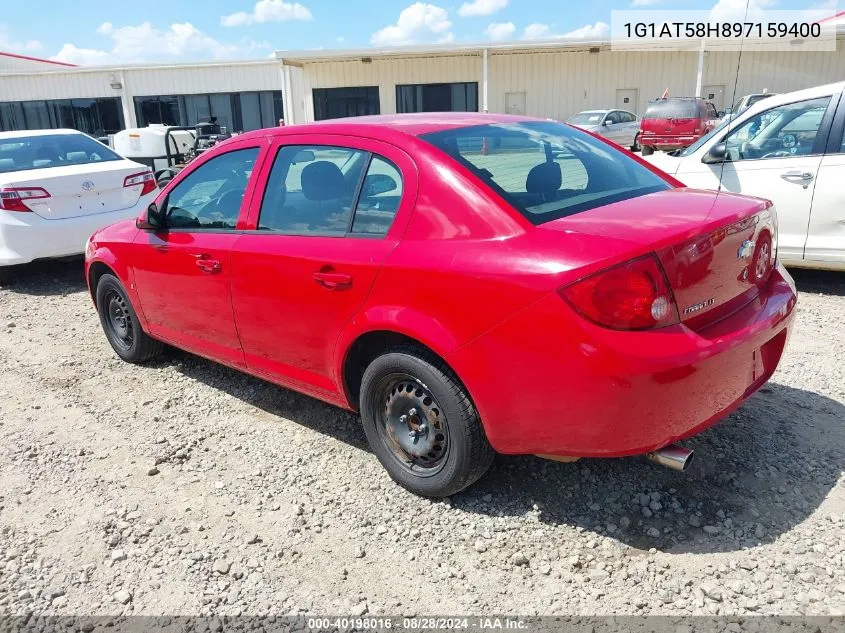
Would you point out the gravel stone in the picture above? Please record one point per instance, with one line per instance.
(270, 505)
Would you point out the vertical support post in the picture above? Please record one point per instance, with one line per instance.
(129, 119)
(699, 77)
(290, 117)
(484, 77)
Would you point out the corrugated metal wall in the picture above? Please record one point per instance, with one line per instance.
(558, 84)
(387, 73)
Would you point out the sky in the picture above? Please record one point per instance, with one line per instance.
(107, 32)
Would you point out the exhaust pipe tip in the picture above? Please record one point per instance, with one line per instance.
(673, 456)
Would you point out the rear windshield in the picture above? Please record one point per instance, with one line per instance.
(51, 150)
(547, 170)
(672, 109)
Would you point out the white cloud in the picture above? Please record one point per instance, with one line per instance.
(481, 7)
(535, 31)
(500, 30)
(145, 42)
(645, 3)
(17, 46)
(599, 29)
(268, 11)
(418, 22)
(733, 10)
(340, 39)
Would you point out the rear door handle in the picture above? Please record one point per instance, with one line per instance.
(797, 176)
(207, 264)
(333, 280)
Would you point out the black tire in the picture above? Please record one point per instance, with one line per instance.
(636, 146)
(120, 323)
(5, 275)
(647, 151)
(460, 452)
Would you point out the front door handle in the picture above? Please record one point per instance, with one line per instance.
(796, 176)
(333, 280)
(207, 264)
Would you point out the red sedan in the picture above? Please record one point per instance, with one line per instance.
(470, 283)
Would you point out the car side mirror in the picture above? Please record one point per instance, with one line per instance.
(721, 113)
(153, 220)
(716, 154)
(606, 122)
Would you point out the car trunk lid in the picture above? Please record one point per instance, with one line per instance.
(74, 191)
(708, 244)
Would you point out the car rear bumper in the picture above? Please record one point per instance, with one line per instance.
(668, 142)
(547, 382)
(25, 237)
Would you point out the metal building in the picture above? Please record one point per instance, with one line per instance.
(553, 79)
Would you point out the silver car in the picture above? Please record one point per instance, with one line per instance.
(619, 126)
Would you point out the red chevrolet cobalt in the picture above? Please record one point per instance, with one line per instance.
(470, 283)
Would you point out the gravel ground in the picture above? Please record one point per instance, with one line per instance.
(183, 487)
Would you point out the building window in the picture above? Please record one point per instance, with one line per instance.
(334, 103)
(97, 117)
(454, 97)
(236, 111)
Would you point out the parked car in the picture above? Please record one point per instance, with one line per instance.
(470, 283)
(675, 122)
(743, 104)
(59, 186)
(619, 126)
(790, 149)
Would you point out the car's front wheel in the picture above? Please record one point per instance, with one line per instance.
(120, 323)
(422, 425)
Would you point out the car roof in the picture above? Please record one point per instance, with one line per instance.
(29, 133)
(405, 124)
(790, 97)
(596, 111)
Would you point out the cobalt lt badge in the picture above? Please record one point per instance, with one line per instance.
(746, 250)
(87, 185)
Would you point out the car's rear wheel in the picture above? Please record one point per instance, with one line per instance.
(120, 323)
(422, 425)
(636, 146)
(647, 151)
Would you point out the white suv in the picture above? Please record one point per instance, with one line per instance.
(788, 148)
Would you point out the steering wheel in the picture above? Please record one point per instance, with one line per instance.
(788, 141)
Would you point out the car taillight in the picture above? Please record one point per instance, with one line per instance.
(634, 295)
(145, 178)
(14, 198)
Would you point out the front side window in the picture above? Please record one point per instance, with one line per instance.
(312, 189)
(784, 131)
(210, 196)
(51, 150)
(546, 170)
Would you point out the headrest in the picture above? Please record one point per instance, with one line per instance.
(544, 178)
(43, 162)
(76, 156)
(322, 180)
(6, 163)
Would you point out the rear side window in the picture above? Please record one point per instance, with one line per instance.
(51, 150)
(334, 191)
(547, 170)
(672, 109)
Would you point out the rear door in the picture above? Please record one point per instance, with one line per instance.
(183, 272)
(826, 232)
(776, 155)
(333, 208)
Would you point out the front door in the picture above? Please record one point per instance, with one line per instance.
(308, 263)
(183, 272)
(774, 155)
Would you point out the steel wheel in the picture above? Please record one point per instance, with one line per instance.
(119, 320)
(412, 425)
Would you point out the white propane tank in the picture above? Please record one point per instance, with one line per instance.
(146, 144)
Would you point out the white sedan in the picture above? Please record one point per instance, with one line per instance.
(59, 186)
(790, 149)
